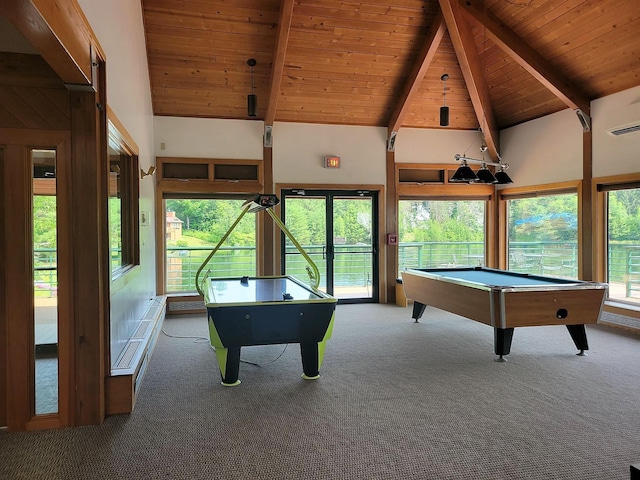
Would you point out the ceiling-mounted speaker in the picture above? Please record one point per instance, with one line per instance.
(252, 104)
(444, 116)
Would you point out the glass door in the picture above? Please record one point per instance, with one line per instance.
(338, 229)
(45, 280)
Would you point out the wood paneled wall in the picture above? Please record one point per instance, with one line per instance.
(31, 94)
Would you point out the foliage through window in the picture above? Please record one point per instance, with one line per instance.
(623, 243)
(193, 227)
(441, 233)
(543, 235)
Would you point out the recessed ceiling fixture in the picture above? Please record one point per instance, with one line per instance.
(252, 100)
(444, 110)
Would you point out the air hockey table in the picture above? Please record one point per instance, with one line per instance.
(264, 311)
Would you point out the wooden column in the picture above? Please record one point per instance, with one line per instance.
(585, 209)
(89, 224)
(267, 260)
(3, 303)
(391, 225)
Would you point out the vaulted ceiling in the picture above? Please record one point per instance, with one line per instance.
(380, 62)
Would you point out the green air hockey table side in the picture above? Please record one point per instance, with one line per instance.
(265, 311)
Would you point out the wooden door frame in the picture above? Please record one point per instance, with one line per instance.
(20, 351)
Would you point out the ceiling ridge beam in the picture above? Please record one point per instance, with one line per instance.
(418, 71)
(526, 57)
(465, 48)
(284, 27)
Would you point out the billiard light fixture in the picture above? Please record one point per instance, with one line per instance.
(464, 173)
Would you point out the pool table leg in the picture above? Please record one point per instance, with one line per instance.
(418, 310)
(579, 336)
(502, 342)
(310, 360)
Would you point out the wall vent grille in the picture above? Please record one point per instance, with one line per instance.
(624, 130)
(622, 320)
(183, 306)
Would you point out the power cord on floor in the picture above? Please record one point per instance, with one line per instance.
(205, 339)
(195, 339)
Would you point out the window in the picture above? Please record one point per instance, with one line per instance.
(193, 227)
(542, 234)
(441, 233)
(622, 205)
(124, 239)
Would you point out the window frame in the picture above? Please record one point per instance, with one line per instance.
(514, 193)
(127, 152)
(600, 187)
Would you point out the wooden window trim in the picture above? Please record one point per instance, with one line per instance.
(515, 193)
(600, 186)
(130, 189)
(209, 188)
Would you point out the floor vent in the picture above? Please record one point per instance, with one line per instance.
(128, 355)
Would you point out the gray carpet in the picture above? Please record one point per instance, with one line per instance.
(395, 400)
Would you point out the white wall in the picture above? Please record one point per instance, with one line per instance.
(120, 32)
(616, 155)
(549, 149)
(208, 138)
(299, 150)
(545, 150)
(415, 145)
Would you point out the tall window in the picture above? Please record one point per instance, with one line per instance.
(543, 235)
(193, 227)
(124, 239)
(623, 242)
(441, 233)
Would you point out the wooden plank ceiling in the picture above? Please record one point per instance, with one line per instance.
(380, 62)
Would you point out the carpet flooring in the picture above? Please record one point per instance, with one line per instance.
(395, 400)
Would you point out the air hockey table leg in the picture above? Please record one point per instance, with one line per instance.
(229, 362)
(311, 359)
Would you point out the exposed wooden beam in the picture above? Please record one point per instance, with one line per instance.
(420, 67)
(60, 32)
(526, 56)
(465, 48)
(284, 25)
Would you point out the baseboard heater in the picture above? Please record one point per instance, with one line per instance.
(128, 371)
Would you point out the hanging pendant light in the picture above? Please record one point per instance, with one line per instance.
(444, 110)
(252, 99)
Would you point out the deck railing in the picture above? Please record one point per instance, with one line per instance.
(354, 268)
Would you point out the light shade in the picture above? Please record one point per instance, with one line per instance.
(503, 178)
(252, 104)
(444, 116)
(464, 174)
(485, 175)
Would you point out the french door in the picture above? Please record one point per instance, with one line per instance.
(339, 230)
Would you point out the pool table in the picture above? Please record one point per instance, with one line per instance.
(263, 311)
(505, 300)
